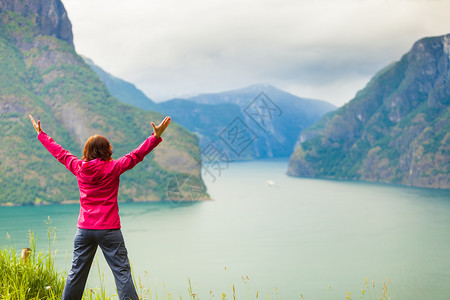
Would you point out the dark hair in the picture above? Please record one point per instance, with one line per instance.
(97, 146)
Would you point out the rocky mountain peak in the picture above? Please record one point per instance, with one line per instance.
(49, 15)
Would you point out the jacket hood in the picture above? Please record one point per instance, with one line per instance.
(92, 171)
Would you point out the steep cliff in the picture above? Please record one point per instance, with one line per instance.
(395, 130)
(49, 16)
(41, 74)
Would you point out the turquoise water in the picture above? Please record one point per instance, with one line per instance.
(299, 235)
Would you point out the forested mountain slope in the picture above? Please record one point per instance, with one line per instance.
(41, 74)
(395, 130)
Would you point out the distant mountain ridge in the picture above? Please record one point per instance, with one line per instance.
(395, 130)
(211, 115)
(274, 116)
(311, 109)
(41, 74)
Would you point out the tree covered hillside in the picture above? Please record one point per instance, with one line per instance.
(395, 130)
(41, 74)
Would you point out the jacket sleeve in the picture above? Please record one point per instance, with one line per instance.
(131, 159)
(63, 156)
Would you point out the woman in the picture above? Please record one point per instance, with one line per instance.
(98, 222)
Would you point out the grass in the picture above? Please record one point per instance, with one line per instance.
(37, 278)
(31, 278)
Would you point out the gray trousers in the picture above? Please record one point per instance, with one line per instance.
(85, 245)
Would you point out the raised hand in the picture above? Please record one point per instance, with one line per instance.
(37, 126)
(158, 130)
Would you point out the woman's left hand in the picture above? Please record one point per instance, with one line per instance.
(37, 126)
(158, 130)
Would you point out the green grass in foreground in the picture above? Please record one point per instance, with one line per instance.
(34, 278)
(37, 278)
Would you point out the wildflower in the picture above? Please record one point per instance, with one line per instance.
(347, 296)
(48, 287)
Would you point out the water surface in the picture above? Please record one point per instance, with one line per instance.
(299, 235)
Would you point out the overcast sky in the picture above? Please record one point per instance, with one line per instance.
(322, 49)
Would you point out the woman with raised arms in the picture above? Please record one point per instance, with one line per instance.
(98, 222)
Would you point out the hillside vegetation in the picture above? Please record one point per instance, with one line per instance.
(396, 129)
(42, 75)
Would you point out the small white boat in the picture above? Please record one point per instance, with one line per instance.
(270, 182)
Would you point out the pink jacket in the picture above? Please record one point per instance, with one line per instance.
(98, 181)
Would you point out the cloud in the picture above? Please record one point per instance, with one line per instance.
(322, 47)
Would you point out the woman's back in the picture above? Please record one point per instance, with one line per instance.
(98, 181)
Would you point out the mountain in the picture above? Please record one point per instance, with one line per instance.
(203, 119)
(309, 110)
(268, 119)
(41, 74)
(395, 130)
(271, 119)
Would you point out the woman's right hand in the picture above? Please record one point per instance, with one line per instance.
(37, 126)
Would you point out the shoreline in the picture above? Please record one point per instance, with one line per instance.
(68, 202)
